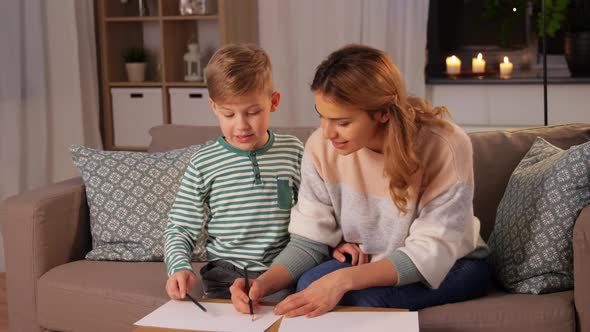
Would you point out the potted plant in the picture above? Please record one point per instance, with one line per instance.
(577, 38)
(555, 15)
(568, 18)
(135, 60)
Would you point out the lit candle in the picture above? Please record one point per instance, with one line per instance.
(478, 65)
(453, 65)
(505, 68)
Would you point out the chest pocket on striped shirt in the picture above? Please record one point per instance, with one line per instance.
(284, 192)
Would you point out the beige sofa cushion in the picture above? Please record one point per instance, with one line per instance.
(82, 294)
(497, 153)
(113, 295)
(505, 312)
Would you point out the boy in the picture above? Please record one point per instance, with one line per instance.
(240, 188)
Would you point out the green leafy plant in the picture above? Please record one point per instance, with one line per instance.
(555, 14)
(134, 54)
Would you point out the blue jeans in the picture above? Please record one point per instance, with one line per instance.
(468, 279)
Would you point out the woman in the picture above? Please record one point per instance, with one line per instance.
(388, 181)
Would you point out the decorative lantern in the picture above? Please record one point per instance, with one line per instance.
(193, 71)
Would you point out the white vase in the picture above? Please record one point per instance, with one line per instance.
(135, 71)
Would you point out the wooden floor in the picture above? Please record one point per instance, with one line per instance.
(3, 306)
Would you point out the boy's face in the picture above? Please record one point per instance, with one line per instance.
(244, 120)
(349, 129)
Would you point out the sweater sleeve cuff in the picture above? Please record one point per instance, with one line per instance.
(300, 255)
(181, 268)
(178, 263)
(407, 273)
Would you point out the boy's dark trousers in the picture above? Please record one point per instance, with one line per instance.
(218, 276)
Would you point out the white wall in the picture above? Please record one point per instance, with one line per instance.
(489, 107)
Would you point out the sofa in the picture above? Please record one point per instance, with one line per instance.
(50, 286)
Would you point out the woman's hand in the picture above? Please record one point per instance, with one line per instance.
(358, 256)
(319, 297)
(240, 299)
(180, 283)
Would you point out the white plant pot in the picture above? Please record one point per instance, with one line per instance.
(135, 71)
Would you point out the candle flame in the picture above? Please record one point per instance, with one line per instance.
(453, 58)
(505, 59)
(479, 56)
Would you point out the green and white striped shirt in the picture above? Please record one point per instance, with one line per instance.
(241, 198)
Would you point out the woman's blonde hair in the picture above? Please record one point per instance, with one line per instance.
(365, 78)
(236, 70)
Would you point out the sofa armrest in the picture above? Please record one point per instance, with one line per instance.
(42, 229)
(581, 244)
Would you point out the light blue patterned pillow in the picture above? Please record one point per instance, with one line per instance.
(129, 195)
(532, 239)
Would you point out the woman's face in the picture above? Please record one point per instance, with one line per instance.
(349, 129)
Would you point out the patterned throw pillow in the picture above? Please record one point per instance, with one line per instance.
(129, 195)
(532, 239)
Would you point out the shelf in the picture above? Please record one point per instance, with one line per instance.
(190, 18)
(165, 34)
(128, 8)
(187, 84)
(164, 18)
(122, 35)
(135, 84)
(133, 19)
(178, 33)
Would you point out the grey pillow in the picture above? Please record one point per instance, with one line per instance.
(129, 195)
(532, 239)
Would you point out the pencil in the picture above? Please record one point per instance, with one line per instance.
(195, 302)
(248, 293)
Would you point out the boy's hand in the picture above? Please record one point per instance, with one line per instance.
(179, 283)
(239, 298)
(352, 249)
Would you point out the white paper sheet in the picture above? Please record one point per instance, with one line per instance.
(219, 317)
(354, 321)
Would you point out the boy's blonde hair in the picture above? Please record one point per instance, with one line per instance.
(237, 70)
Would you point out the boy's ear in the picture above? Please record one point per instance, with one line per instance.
(213, 105)
(275, 100)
